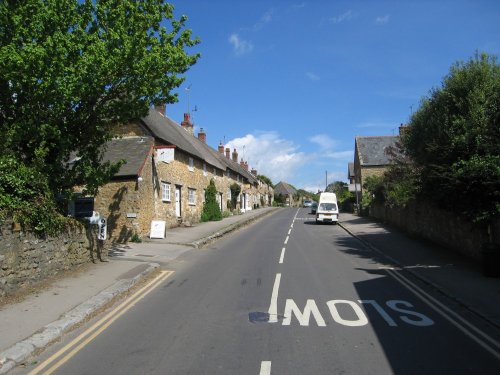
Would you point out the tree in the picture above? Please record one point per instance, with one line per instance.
(235, 192)
(453, 140)
(265, 179)
(341, 190)
(71, 70)
(211, 209)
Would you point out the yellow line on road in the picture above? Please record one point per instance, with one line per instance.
(86, 337)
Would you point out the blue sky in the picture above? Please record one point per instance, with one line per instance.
(289, 84)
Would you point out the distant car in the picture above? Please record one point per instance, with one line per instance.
(314, 207)
(308, 203)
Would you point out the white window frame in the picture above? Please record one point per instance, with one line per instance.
(166, 191)
(191, 165)
(204, 169)
(192, 197)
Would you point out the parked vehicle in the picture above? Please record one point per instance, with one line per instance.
(314, 207)
(307, 203)
(328, 210)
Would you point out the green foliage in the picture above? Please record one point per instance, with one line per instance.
(373, 190)
(25, 197)
(453, 140)
(135, 238)
(211, 209)
(72, 70)
(235, 192)
(341, 190)
(265, 180)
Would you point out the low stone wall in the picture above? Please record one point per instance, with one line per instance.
(439, 226)
(26, 260)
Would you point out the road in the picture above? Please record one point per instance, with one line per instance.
(284, 296)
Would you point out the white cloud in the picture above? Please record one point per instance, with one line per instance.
(312, 76)
(381, 20)
(324, 141)
(343, 17)
(271, 155)
(240, 46)
(266, 18)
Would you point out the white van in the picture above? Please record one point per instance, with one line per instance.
(328, 210)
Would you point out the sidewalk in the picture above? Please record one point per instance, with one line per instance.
(453, 274)
(46, 315)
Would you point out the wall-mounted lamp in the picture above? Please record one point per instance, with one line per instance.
(139, 179)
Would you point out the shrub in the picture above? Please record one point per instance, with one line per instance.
(211, 209)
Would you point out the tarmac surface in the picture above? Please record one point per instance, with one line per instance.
(39, 319)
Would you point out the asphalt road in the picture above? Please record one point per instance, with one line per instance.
(284, 296)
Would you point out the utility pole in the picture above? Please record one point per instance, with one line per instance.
(326, 180)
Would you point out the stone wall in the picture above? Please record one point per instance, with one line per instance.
(128, 205)
(442, 227)
(26, 260)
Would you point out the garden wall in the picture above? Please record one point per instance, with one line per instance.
(442, 227)
(26, 260)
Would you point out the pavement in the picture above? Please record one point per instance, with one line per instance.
(43, 317)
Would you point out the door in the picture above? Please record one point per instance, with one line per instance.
(178, 201)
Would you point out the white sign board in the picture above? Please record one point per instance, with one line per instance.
(165, 154)
(354, 187)
(102, 230)
(157, 229)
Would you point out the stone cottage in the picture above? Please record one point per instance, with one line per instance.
(371, 156)
(166, 182)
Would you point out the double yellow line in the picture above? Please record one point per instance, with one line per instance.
(68, 351)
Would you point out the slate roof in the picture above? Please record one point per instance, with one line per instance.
(283, 188)
(372, 150)
(168, 131)
(134, 150)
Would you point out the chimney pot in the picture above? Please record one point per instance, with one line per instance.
(235, 156)
(187, 124)
(202, 136)
(221, 148)
(161, 108)
(228, 153)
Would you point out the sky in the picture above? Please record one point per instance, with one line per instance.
(290, 84)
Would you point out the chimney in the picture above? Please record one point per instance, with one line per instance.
(161, 108)
(254, 171)
(235, 156)
(202, 136)
(187, 124)
(228, 153)
(402, 129)
(242, 163)
(221, 148)
(246, 165)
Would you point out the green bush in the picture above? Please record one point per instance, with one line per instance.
(211, 209)
(25, 197)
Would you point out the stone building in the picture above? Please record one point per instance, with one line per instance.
(371, 157)
(166, 182)
(287, 192)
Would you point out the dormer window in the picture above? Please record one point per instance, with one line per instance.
(191, 165)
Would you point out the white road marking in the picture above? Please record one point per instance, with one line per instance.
(265, 368)
(282, 257)
(289, 231)
(273, 307)
(487, 342)
(286, 240)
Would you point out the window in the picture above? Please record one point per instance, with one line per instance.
(204, 169)
(165, 191)
(191, 164)
(192, 196)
